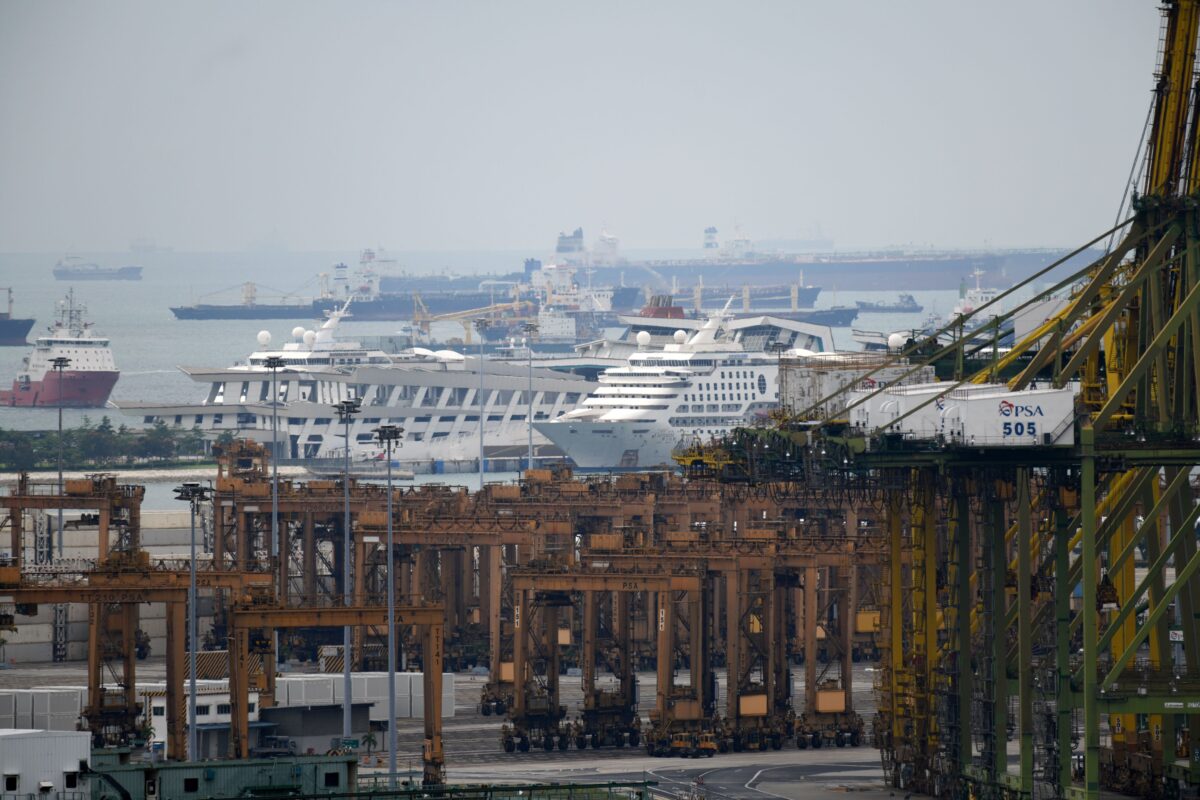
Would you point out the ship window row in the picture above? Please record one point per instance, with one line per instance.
(693, 422)
(699, 407)
(723, 396)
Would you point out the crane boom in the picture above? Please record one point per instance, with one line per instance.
(1172, 155)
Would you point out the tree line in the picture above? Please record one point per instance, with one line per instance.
(99, 445)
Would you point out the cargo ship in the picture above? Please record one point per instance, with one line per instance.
(421, 296)
(906, 304)
(739, 263)
(73, 268)
(249, 308)
(88, 377)
(13, 331)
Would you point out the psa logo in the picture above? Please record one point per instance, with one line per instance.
(1008, 409)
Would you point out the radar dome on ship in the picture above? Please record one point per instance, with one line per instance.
(310, 337)
(896, 341)
(680, 337)
(643, 338)
(298, 332)
(264, 338)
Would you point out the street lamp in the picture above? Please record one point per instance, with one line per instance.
(275, 363)
(389, 436)
(481, 325)
(59, 364)
(530, 330)
(346, 410)
(195, 494)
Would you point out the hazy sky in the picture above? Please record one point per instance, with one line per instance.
(493, 125)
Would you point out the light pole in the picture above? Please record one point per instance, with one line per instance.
(389, 436)
(195, 494)
(481, 325)
(530, 330)
(275, 363)
(59, 364)
(346, 410)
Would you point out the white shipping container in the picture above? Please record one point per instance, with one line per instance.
(31, 633)
(62, 722)
(289, 692)
(23, 715)
(376, 685)
(56, 701)
(448, 694)
(320, 690)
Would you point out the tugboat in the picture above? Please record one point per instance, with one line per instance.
(85, 382)
(12, 331)
(906, 304)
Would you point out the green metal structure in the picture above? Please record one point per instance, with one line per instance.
(1041, 604)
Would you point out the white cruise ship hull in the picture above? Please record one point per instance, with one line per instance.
(613, 445)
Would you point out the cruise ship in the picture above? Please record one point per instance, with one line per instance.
(711, 377)
(434, 395)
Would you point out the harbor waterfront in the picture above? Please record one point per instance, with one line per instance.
(150, 344)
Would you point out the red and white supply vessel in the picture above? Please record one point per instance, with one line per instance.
(88, 377)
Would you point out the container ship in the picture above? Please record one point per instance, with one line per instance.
(85, 382)
(12, 330)
(73, 268)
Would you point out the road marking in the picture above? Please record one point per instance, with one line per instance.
(763, 791)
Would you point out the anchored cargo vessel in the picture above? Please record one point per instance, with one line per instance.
(719, 267)
(906, 303)
(12, 330)
(88, 376)
(73, 268)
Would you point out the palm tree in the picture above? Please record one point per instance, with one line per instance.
(369, 742)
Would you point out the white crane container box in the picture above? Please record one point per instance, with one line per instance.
(909, 410)
(1014, 419)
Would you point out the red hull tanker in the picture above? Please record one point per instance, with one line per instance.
(84, 377)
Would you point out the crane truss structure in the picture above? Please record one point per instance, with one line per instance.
(1041, 599)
